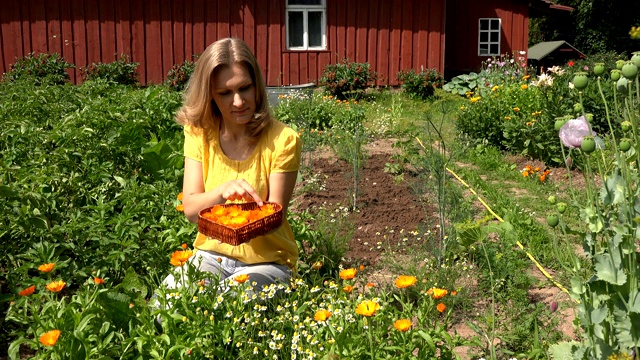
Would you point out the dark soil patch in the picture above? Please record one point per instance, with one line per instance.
(387, 211)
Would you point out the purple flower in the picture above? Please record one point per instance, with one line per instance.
(572, 132)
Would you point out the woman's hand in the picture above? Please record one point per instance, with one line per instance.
(239, 190)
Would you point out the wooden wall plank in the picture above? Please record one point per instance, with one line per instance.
(178, 31)
(107, 31)
(275, 71)
(223, 20)
(10, 27)
(54, 30)
(248, 24)
(372, 34)
(435, 42)
(261, 50)
(123, 27)
(24, 28)
(38, 25)
(153, 42)
(167, 49)
(395, 40)
(406, 38)
(79, 42)
(67, 39)
(92, 19)
(384, 19)
(361, 26)
(210, 22)
(138, 39)
(352, 11)
(188, 30)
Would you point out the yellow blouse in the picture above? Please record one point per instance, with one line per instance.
(278, 150)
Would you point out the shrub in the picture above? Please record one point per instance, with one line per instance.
(121, 71)
(179, 75)
(420, 85)
(41, 69)
(347, 80)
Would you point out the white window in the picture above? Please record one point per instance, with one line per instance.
(489, 36)
(306, 25)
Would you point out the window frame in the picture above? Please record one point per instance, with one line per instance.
(489, 31)
(305, 9)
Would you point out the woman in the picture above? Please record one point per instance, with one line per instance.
(235, 151)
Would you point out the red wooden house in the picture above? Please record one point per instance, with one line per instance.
(292, 39)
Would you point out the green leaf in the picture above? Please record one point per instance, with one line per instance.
(132, 283)
(563, 350)
(609, 268)
(634, 301)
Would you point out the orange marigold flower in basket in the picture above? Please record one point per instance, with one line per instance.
(367, 308)
(441, 307)
(180, 208)
(45, 268)
(56, 286)
(28, 291)
(180, 257)
(180, 196)
(348, 289)
(322, 315)
(404, 281)
(98, 281)
(348, 274)
(402, 325)
(241, 278)
(437, 293)
(50, 338)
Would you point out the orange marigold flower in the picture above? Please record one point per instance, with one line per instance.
(180, 257)
(370, 285)
(45, 268)
(322, 315)
(524, 86)
(454, 293)
(367, 308)
(441, 307)
(180, 196)
(348, 274)
(361, 267)
(525, 173)
(348, 289)
(317, 265)
(241, 278)
(184, 246)
(98, 281)
(404, 281)
(437, 293)
(180, 208)
(543, 178)
(402, 325)
(56, 286)
(50, 338)
(28, 291)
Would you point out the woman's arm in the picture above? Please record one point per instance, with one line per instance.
(281, 188)
(195, 198)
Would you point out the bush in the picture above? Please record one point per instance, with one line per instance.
(347, 80)
(41, 69)
(421, 85)
(121, 71)
(179, 75)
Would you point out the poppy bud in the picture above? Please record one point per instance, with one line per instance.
(554, 306)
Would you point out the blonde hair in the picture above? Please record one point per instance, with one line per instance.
(198, 108)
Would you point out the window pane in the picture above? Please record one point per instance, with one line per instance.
(495, 49)
(495, 24)
(304, 2)
(296, 29)
(315, 28)
(495, 36)
(484, 36)
(484, 49)
(484, 24)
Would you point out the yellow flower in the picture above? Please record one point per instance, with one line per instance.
(28, 291)
(241, 278)
(180, 207)
(529, 123)
(526, 77)
(56, 286)
(475, 99)
(524, 87)
(402, 325)
(180, 195)
(525, 173)
(180, 257)
(348, 274)
(507, 117)
(317, 265)
(367, 308)
(50, 338)
(441, 307)
(45, 268)
(516, 109)
(462, 107)
(437, 293)
(495, 87)
(404, 281)
(322, 315)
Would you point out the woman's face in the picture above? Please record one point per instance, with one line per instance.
(235, 94)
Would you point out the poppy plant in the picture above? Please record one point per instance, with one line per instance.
(50, 338)
(180, 257)
(402, 325)
(367, 308)
(348, 274)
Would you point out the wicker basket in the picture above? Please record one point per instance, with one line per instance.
(237, 236)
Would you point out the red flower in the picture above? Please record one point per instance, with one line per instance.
(571, 63)
(28, 291)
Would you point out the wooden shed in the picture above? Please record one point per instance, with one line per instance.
(552, 53)
(292, 39)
